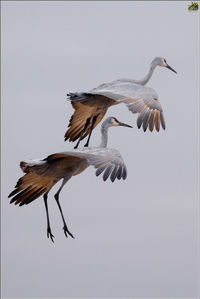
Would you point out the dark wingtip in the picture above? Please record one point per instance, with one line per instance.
(66, 137)
(13, 201)
(12, 193)
(163, 126)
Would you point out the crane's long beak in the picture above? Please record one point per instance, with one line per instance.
(170, 68)
(124, 125)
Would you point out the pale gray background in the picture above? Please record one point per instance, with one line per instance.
(133, 238)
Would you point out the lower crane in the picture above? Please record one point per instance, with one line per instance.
(41, 175)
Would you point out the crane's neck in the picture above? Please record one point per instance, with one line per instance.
(104, 134)
(148, 76)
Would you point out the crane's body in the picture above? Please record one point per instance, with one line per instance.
(42, 174)
(90, 107)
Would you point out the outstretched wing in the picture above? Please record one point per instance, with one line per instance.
(108, 162)
(139, 99)
(41, 175)
(150, 112)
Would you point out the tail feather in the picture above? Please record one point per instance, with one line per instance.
(23, 165)
(77, 96)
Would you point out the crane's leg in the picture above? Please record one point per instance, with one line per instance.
(65, 228)
(92, 126)
(84, 129)
(49, 233)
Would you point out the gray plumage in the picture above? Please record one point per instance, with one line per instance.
(41, 175)
(138, 98)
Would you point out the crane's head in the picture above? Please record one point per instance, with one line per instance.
(113, 122)
(162, 62)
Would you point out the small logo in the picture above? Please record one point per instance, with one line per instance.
(193, 6)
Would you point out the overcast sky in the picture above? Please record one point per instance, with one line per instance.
(137, 237)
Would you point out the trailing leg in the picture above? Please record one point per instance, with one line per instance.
(91, 129)
(65, 228)
(49, 233)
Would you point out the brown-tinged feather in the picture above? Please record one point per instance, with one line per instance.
(75, 132)
(145, 106)
(23, 196)
(30, 185)
(16, 197)
(68, 160)
(78, 120)
(151, 121)
(13, 192)
(157, 120)
(33, 196)
(41, 177)
(150, 103)
(143, 109)
(81, 114)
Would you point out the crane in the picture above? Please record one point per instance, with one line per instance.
(42, 174)
(90, 107)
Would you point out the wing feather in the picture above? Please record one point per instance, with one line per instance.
(114, 173)
(140, 119)
(107, 172)
(119, 172)
(83, 111)
(124, 174)
(138, 99)
(106, 161)
(151, 120)
(100, 170)
(162, 120)
(146, 119)
(157, 120)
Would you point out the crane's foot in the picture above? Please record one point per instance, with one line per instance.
(67, 232)
(49, 234)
